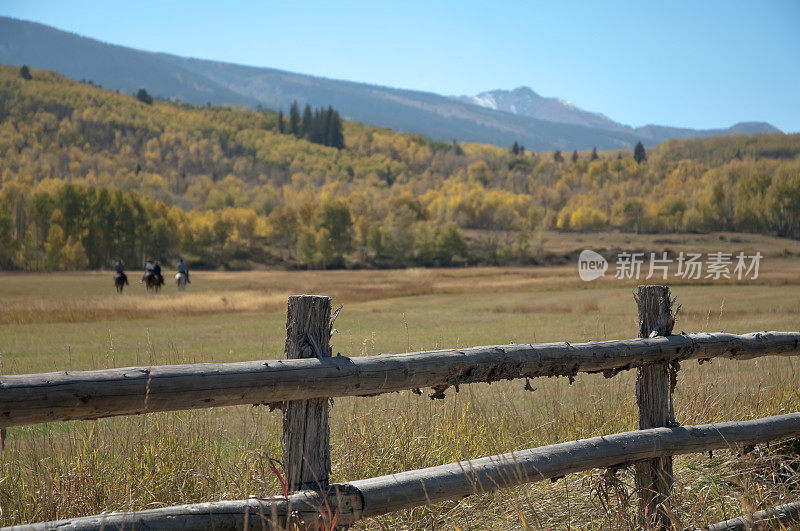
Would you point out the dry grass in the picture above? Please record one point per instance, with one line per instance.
(583, 307)
(76, 321)
(561, 243)
(73, 310)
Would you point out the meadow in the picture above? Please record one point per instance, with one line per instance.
(74, 321)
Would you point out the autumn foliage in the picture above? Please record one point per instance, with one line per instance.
(90, 175)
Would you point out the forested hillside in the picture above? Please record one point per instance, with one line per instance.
(89, 175)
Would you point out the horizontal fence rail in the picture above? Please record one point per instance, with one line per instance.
(365, 498)
(778, 517)
(81, 395)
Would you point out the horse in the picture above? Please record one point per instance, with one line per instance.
(120, 279)
(180, 280)
(153, 282)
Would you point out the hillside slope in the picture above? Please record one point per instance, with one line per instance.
(199, 81)
(89, 174)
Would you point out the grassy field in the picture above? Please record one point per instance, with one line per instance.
(76, 321)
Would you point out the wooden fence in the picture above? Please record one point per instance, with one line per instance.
(314, 502)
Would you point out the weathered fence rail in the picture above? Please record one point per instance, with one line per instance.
(779, 517)
(35, 398)
(376, 496)
(81, 395)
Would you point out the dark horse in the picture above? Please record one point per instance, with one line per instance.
(120, 280)
(153, 282)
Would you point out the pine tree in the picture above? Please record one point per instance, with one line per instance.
(557, 156)
(574, 156)
(321, 126)
(280, 122)
(307, 127)
(515, 148)
(594, 154)
(144, 97)
(639, 154)
(336, 134)
(294, 119)
(324, 126)
(25, 73)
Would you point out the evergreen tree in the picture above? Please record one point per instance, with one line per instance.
(574, 156)
(594, 154)
(144, 97)
(456, 148)
(317, 130)
(294, 119)
(515, 148)
(521, 149)
(336, 134)
(25, 73)
(324, 126)
(321, 126)
(639, 154)
(307, 126)
(557, 156)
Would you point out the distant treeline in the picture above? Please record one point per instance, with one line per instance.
(323, 126)
(89, 175)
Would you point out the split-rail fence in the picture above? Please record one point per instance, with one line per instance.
(302, 385)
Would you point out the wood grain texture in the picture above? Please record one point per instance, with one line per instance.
(654, 399)
(306, 434)
(304, 509)
(376, 496)
(74, 395)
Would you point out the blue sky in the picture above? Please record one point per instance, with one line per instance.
(684, 63)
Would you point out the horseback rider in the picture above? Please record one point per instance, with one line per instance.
(119, 267)
(184, 270)
(157, 272)
(152, 268)
(149, 267)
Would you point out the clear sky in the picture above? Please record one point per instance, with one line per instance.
(702, 64)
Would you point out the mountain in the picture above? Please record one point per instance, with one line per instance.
(524, 101)
(438, 117)
(659, 133)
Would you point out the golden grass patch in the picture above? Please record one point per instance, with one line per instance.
(57, 322)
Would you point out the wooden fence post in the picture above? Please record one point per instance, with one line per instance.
(306, 434)
(654, 398)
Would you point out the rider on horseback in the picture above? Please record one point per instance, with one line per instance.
(119, 267)
(152, 268)
(183, 269)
